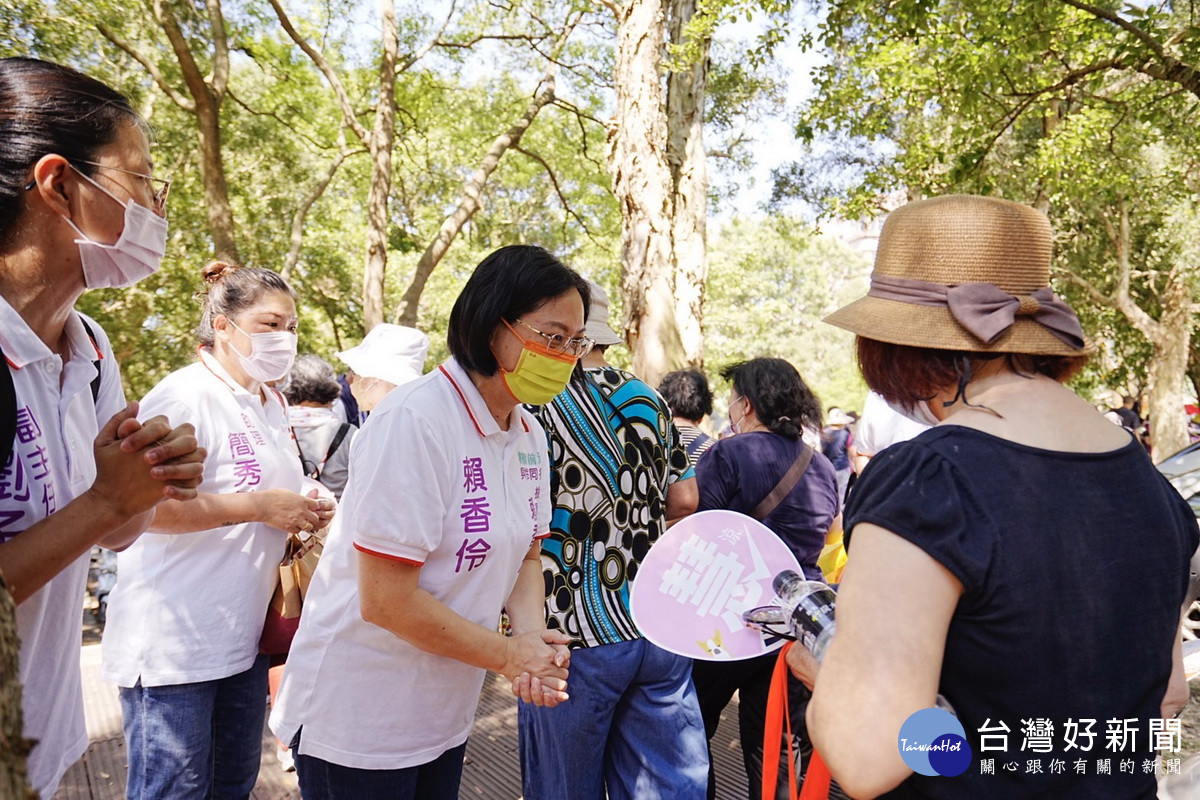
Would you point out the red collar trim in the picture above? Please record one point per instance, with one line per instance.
(470, 412)
(94, 343)
(458, 390)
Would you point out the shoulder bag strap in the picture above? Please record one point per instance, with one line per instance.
(343, 429)
(96, 362)
(8, 410)
(785, 485)
(310, 469)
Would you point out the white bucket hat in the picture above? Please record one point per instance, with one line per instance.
(598, 329)
(392, 353)
(838, 417)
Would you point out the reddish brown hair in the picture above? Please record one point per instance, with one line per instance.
(906, 375)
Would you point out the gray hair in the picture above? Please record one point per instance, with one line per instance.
(311, 380)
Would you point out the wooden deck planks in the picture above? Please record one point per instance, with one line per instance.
(492, 770)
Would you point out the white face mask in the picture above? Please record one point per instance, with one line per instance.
(736, 427)
(271, 354)
(137, 254)
(919, 413)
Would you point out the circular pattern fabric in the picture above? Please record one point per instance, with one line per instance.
(614, 452)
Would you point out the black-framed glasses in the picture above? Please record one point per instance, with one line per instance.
(557, 343)
(161, 187)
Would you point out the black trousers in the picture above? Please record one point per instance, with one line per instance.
(716, 681)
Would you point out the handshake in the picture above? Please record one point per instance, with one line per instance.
(536, 662)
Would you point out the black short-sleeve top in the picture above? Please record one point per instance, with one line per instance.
(1074, 568)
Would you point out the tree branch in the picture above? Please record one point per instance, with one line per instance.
(187, 62)
(1126, 25)
(177, 97)
(1121, 299)
(557, 189)
(612, 7)
(580, 118)
(469, 203)
(579, 112)
(1169, 68)
(331, 76)
(1075, 76)
(1089, 287)
(429, 45)
(500, 37)
(289, 124)
(220, 59)
(1173, 71)
(306, 204)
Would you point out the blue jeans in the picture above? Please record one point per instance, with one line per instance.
(632, 727)
(323, 780)
(196, 741)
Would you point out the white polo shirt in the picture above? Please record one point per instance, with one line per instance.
(881, 426)
(433, 481)
(52, 464)
(189, 607)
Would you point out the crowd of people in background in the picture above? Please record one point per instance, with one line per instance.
(528, 476)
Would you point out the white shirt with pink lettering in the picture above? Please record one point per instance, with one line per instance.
(51, 464)
(189, 607)
(433, 481)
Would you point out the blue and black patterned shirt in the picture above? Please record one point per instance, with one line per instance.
(613, 452)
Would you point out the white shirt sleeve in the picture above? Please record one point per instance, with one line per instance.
(400, 486)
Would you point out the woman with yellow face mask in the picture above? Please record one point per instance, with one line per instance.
(440, 527)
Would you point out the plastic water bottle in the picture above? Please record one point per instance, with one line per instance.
(808, 607)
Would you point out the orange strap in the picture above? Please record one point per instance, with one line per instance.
(817, 778)
(777, 718)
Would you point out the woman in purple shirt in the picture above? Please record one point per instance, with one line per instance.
(769, 408)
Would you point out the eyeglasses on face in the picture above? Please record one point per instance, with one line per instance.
(557, 343)
(161, 188)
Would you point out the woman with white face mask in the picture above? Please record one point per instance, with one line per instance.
(186, 615)
(79, 209)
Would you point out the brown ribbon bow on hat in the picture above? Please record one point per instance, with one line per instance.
(984, 309)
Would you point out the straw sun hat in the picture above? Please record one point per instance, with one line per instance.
(962, 272)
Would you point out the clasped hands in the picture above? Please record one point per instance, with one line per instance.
(140, 463)
(536, 662)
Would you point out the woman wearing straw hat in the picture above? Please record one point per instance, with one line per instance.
(991, 557)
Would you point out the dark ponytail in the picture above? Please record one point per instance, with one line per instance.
(47, 108)
(782, 400)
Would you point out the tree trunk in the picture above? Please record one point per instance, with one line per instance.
(208, 93)
(469, 203)
(212, 173)
(688, 161)
(1193, 369)
(1167, 371)
(642, 185)
(14, 747)
(383, 138)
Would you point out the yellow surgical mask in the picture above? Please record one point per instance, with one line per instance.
(540, 375)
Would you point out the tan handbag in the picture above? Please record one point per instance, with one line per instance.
(296, 569)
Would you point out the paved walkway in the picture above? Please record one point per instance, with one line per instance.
(491, 770)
